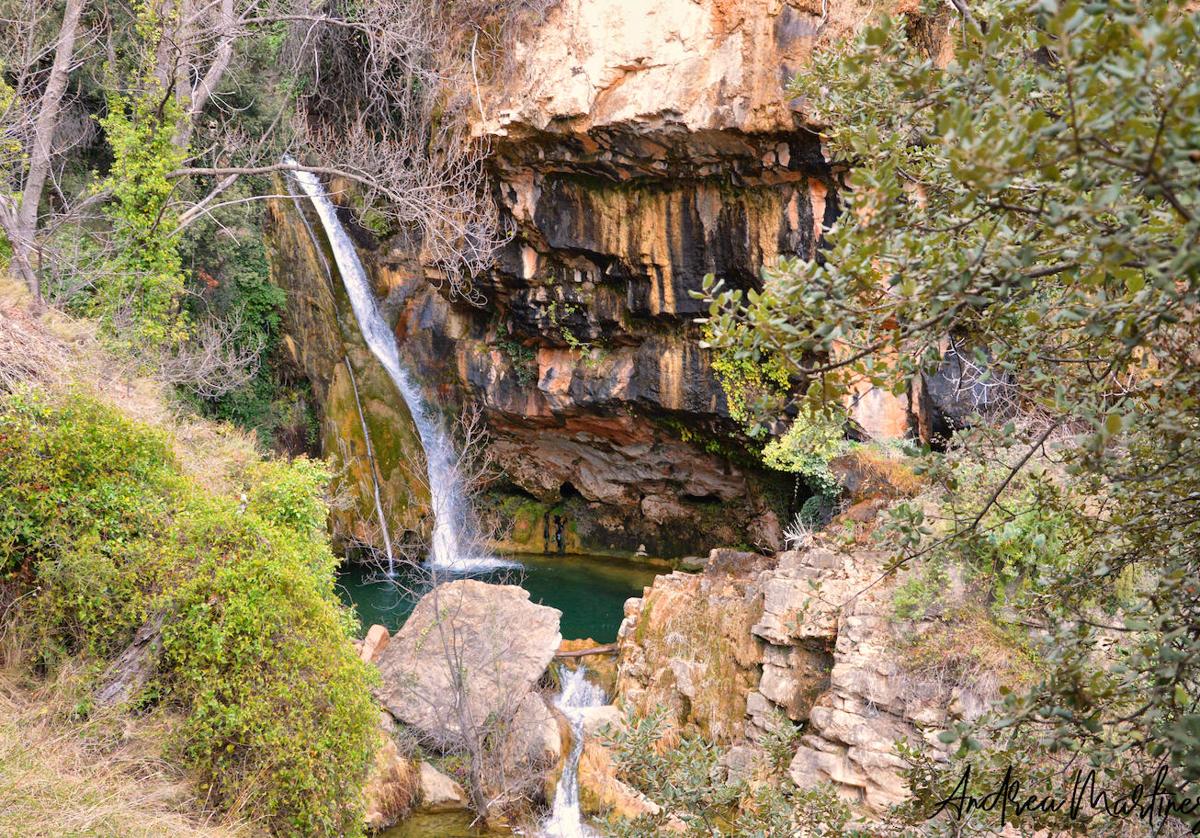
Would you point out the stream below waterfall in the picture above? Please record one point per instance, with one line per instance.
(564, 819)
(578, 693)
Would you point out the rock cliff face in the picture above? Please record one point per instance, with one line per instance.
(637, 148)
(810, 637)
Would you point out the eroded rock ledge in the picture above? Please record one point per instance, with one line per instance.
(635, 148)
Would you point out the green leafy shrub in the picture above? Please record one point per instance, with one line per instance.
(146, 277)
(258, 651)
(80, 489)
(913, 598)
(781, 741)
(687, 780)
(814, 438)
(231, 283)
(101, 529)
(683, 779)
(786, 810)
(753, 382)
(522, 358)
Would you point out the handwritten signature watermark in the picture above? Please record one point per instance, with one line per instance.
(1150, 801)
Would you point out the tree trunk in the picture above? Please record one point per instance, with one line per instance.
(42, 147)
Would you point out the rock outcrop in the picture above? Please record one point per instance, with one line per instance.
(376, 639)
(810, 637)
(439, 793)
(393, 783)
(601, 792)
(638, 148)
(686, 645)
(469, 652)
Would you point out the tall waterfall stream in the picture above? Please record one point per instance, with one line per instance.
(451, 551)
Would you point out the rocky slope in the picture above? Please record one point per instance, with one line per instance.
(809, 638)
(635, 149)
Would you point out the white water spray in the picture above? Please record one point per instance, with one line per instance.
(565, 819)
(449, 508)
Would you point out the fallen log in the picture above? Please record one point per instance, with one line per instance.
(606, 649)
(130, 672)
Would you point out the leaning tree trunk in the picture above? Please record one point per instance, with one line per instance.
(41, 148)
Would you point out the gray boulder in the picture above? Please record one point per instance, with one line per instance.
(466, 658)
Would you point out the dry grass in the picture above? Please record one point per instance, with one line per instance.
(53, 352)
(966, 647)
(102, 778)
(29, 352)
(881, 471)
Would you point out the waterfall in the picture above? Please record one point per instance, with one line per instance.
(450, 551)
(366, 430)
(565, 819)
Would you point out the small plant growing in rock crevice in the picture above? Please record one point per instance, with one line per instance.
(781, 740)
(522, 358)
(591, 354)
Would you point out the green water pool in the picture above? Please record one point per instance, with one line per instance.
(451, 825)
(589, 590)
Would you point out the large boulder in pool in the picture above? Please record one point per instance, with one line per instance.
(466, 658)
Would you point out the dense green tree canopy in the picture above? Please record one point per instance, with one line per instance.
(1034, 196)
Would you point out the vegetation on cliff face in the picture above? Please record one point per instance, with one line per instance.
(1035, 200)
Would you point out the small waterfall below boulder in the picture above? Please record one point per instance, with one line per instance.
(566, 820)
(451, 549)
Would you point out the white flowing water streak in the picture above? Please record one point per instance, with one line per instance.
(565, 819)
(449, 508)
(383, 524)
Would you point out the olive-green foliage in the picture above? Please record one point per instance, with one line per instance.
(591, 354)
(753, 380)
(257, 650)
(1038, 195)
(913, 598)
(1021, 548)
(684, 779)
(102, 528)
(737, 449)
(82, 496)
(781, 740)
(522, 358)
(783, 809)
(688, 782)
(145, 279)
